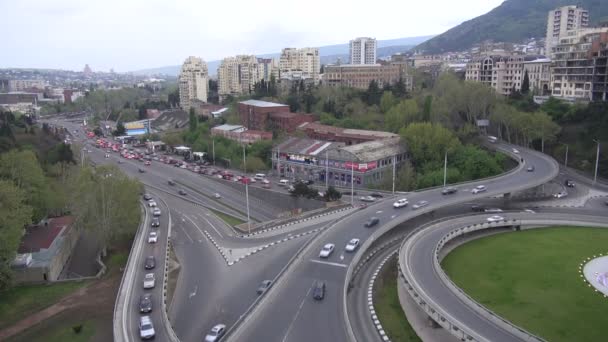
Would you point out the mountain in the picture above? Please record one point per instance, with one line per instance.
(513, 21)
(329, 54)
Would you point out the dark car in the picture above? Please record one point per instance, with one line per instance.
(318, 290)
(171, 182)
(569, 183)
(183, 192)
(141, 170)
(478, 208)
(372, 222)
(449, 191)
(147, 197)
(155, 222)
(376, 195)
(265, 285)
(150, 262)
(145, 303)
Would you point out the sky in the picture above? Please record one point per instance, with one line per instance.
(129, 35)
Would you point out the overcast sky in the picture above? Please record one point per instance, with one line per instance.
(135, 34)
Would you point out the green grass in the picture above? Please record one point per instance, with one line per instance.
(388, 307)
(230, 220)
(532, 279)
(21, 301)
(60, 331)
(117, 260)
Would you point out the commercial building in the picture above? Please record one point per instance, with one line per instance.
(560, 21)
(363, 51)
(45, 250)
(360, 76)
(24, 85)
(240, 134)
(503, 73)
(539, 75)
(318, 160)
(269, 116)
(238, 75)
(140, 127)
(193, 82)
(348, 136)
(300, 63)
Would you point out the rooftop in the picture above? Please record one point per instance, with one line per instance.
(375, 150)
(40, 237)
(229, 127)
(259, 103)
(306, 146)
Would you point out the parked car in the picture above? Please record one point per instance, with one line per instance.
(516, 151)
(141, 170)
(264, 285)
(146, 328)
(478, 208)
(401, 203)
(150, 262)
(155, 222)
(147, 163)
(152, 237)
(420, 204)
(327, 250)
(560, 194)
(495, 218)
(449, 191)
(367, 199)
(569, 183)
(216, 333)
(145, 303)
(376, 195)
(149, 281)
(478, 189)
(352, 245)
(372, 222)
(318, 290)
(493, 210)
(265, 181)
(217, 196)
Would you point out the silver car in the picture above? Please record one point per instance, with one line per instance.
(216, 333)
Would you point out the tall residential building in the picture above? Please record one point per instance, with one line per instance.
(539, 75)
(193, 82)
(238, 75)
(268, 67)
(600, 74)
(360, 76)
(363, 50)
(24, 85)
(503, 73)
(561, 20)
(300, 63)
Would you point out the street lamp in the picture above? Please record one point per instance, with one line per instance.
(566, 158)
(246, 189)
(597, 160)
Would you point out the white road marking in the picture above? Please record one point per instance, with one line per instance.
(195, 225)
(212, 226)
(328, 263)
(193, 293)
(185, 232)
(295, 317)
(393, 216)
(379, 212)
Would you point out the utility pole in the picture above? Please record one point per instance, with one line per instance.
(326, 171)
(445, 168)
(352, 183)
(279, 161)
(597, 160)
(213, 148)
(246, 190)
(394, 167)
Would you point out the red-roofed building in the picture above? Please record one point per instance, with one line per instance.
(266, 116)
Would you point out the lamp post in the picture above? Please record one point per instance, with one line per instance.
(213, 148)
(566, 157)
(597, 160)
(445, 168)
(246, 190)
(394, 166)
(326, 171)
(352, 183)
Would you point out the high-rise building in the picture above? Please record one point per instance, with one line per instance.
(363, 50)
(300, 63)
(238, 75)
(193, 82)
(560, 21)
(268, 67)
(360, 76)
(503, 73)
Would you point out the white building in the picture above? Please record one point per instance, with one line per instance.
(238, 75)
(561, 20)
(363, 50)
(193, 82)
(300, 63)
(539, 75)
(23, 85)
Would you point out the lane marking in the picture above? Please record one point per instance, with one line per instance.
(193, 293)
(295, 317)
(212, 226)
(379, 212)
(195, 225)
(185, 232)
(328, 263)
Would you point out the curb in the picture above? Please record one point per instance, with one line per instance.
(370, 298)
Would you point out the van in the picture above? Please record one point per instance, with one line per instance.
(259, 176)
(283, 182)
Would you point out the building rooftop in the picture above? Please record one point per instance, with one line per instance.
(374, 150)
(258, 103)
(306, 146)
(41, 237)
(229, 127)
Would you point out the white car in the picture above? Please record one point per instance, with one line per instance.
(420, 204)
(146, 328)
(217, 196)
(327, 250)
(478, 189)
(265, 181)
(156, 212)
(560, 194)
(149, 281)
(493, 210)
(401, 203)
(152, 237)
(352, 245)
(529, 211)
(495, 218)
(516, 151)
(367, 199)
(216, 333)
(152, 203)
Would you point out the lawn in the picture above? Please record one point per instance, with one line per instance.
(531, 278)
(230, 220)
(59, 333)
(388, 308)
(21, 301)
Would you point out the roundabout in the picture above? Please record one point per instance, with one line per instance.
(595, 272)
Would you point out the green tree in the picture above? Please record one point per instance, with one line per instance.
(426, 110)
(120, 129)
(404, 113)
(193, 120)
(427, 142)
(525, 84)
(387, 101)
(332, 194)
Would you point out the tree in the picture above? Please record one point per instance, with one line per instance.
(120, 129)
(302, 190)
(387, 101)
(404, 113)
(332, 194)
(14, 215)
(428, 142)
(193, 120)
(373, 94)
(426, 110)
(525, 84)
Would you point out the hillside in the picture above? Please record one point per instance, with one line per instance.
(329, 54)
(512, 21)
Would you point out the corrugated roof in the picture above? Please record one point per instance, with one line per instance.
(259, 103)
(374, 150)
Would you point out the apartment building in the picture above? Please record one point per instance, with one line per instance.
(600, 74)
(24, 85)
(360, 76)
(503, 73)
(238, 75)
(561, 20)
(539, 75)
(300, 63)
(268, 67)
(363, 51)
(193, 82)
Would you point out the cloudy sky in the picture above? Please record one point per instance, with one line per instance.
(136, 34)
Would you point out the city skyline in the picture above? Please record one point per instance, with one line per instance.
(128, 36)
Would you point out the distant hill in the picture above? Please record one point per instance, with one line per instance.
(513, 21)
(329, 54)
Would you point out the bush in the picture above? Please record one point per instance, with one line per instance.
(77, 329)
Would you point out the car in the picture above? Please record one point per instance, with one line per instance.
(530, 168)
(560, 194)
(318, 290)
(367, 198)
(150, 262)
(147, 197)
(516, 151)
(495, 218)
(401, 203)
(107, 155)
(265, 181)
(606, 202)
(376, 195)
(171, 182)
(120, 161)
(266, 186)
(182, 192)
(264, 285)
(352, 245)
(493, 210)
(478, 208)
(529, 211)
(291, 188)
(569, 183)
(372, 222)
(147, 163)
(149, 281)
(183, 166)
(478, 189)
(217, 196)
(146, 328)
(155, 222)
(151, 203)
(327, 250)
(420, 204)
(216, 333)
(156, 212)
(449, 191)
(152, 237)
(141, 170)
(145, 303)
